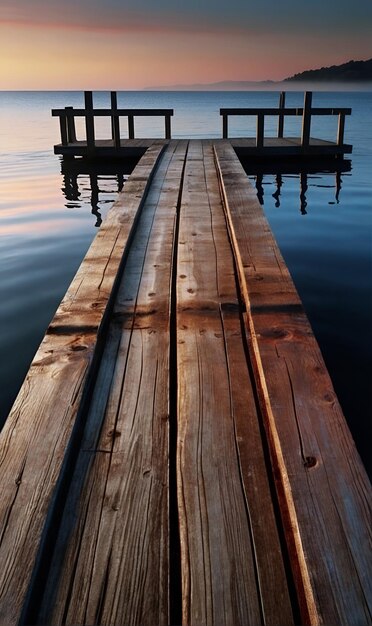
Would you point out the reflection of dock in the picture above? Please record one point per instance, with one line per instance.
(305, 168)
(177, 452)
(73, 168)
(295, 166)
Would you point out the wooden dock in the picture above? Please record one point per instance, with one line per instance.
(177, 453)
(259, 146)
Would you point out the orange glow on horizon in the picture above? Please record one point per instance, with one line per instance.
(62, 58)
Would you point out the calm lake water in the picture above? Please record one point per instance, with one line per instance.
(322, 222)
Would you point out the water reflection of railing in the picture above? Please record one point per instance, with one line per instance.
(71, 170)
(258, 171)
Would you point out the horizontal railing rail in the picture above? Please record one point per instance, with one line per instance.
(68, 114)
(306, 112)
(284, 111)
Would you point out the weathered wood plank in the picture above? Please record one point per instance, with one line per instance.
(323, 489)
(115, 537)
(219, 570)
(270, 567)
(38, 431)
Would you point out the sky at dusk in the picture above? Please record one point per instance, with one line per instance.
(131, 44)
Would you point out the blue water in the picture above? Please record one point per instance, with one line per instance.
(47, 222)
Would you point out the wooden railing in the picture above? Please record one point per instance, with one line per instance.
(306, 111)
(68, 114)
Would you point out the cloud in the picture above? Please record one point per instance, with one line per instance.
(96, 17)
(267, 16)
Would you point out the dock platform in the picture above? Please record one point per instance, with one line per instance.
(303, 147)
(177, 453)
(244, 146)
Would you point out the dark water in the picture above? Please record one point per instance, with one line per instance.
(322, 221)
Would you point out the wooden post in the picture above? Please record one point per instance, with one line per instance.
(225, 126)
(281, 115)
(260, 130)
(167, 126)
(115, 126)
(63, 129)
(114, 106)
(89, 119)
(341, 129)
(71, 132)
(131, 126)
(306, 119)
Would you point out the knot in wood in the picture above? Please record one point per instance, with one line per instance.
(310, 461)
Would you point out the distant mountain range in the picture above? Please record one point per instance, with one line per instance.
(352, 71)
(347, 74)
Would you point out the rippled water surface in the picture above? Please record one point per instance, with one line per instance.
(322, 222)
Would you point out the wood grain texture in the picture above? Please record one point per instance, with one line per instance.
(37, 433)
(323, 489)
(218, 428)
(247, 420)
(184, 271)
(115, 535)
